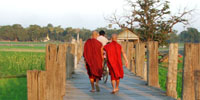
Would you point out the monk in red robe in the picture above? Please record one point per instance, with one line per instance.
(93, 54)
(114, 63)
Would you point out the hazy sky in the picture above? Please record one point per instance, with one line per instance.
(75, 13)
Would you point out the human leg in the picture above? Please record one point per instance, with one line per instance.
(97, 85)
(113, 82)
(117, 85)
(92, 84)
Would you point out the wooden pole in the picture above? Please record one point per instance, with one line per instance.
(188, 73)
(197, 84)
(152, 64)
(55, 68)
(191, 64)
(172, 70)
(42, 87)
(133, 59)
(32, 85)
(140, 58)
(123, 44)
(130, 54)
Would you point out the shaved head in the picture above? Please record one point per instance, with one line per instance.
(114, 37)
(95, 34)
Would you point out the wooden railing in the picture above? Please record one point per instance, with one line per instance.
(60, 64)
(148, 71)
(61, 61)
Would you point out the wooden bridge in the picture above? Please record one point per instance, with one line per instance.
(65, 76)
(131, 88)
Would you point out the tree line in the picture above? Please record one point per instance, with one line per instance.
(190, 35)
(37, 33)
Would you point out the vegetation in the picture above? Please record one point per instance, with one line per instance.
(189, 35)
(37, 33)
(163, 77)
(17, 63)
(14, 64)
(150, 19)
(13, 89)
(23, 47)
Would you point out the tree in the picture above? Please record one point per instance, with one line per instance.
(152, 19)
(173, 38)
(34, 32)
(190, 35)
(58, 31)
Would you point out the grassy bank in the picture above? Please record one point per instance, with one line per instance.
(17, 63)
(14, 64)
(13, 89)
(163, 77)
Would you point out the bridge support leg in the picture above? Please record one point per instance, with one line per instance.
(191, 64)
(172, 70)
(140, 59)
(152, 64)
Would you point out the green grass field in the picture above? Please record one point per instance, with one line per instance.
(17, 63)
(163, 77)
(13, 89)
(14, 64)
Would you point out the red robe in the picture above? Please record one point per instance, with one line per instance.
(114, 62)
(93, 57)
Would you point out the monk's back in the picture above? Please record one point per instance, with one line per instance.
(113, 51)
(93, 57)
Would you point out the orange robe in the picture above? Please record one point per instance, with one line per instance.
(93, 57)
(114, 62)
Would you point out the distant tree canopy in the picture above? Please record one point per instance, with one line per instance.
(190, 35)
(152, 19)
(37, 33)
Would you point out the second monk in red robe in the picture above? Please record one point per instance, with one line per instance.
(114, 63)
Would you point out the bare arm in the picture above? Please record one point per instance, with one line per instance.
(124, 55)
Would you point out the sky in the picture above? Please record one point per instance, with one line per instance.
(78, 13)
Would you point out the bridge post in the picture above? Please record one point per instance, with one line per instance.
(70, 58)
(197, 84)
(140, 59)
(32, 85)
(36, 84)
(80, 49)
(172, 70)
(152, 64)
(56, 70)
(191, 64)
(124, 47)
(130, 51)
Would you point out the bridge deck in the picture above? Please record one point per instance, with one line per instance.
(131, 88)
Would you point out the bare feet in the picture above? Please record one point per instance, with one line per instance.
(113, 92)
(92, 91)
(116, 90)
(97, 88)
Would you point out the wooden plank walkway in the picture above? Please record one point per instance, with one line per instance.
(131, 88)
